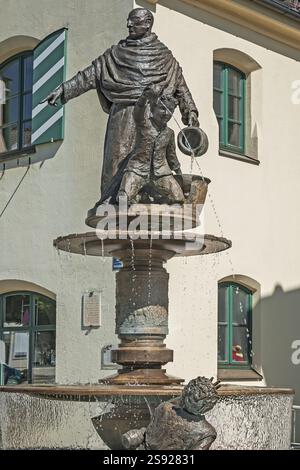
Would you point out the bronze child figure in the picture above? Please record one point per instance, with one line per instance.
(153, 159)
(179, 424)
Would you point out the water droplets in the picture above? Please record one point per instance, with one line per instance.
(193, 160)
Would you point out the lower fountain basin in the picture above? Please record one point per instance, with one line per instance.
(34, 417)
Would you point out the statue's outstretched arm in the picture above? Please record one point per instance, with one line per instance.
(83, 81)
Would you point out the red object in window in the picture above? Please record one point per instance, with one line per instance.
(237, 354)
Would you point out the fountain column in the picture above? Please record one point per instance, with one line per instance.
(142, 317)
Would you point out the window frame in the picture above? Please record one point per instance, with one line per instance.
(32, 328)
(22, 92)
(224, 116)
(228, 363)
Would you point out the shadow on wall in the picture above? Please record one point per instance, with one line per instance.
(280, 335)
(225, 25)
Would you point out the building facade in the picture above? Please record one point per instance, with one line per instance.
(233, 315)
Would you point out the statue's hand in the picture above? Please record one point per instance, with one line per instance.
(193, 119)
(153, 91)
(54, 96)
(133, 438)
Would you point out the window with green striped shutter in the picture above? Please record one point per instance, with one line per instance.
(49, 64)
(25, 80)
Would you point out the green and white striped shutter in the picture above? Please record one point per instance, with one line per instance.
(49, 64)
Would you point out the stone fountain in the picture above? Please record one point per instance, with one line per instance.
(142, 289)
(149, 212)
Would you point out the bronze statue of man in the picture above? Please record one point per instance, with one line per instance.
(120, 76)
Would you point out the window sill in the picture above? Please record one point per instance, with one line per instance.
(16, 154)
(238, 374)
(238, 156)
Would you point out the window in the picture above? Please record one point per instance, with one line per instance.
(234, 326)
(16, 102)
(229, 106)
(27, 337)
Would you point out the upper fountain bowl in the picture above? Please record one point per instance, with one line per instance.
(194, 188)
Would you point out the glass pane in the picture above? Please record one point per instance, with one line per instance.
(27, 105)
(234, 108)
(10, 74)
(222, 304)
(28, 71)
(9, 112)
(218, 75)
(26, 136)
(222, 343)
(234, 82)
(17, 310)
(240, 308)
(218, 102)
(45, 311)
(9, 138)
(240, 341)
(16, 356)
(44, 357)
(234, 134)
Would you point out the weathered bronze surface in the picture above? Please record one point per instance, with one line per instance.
(153, 158)
(120, 75)
(194, 189)
(179, 424)
(193, 141)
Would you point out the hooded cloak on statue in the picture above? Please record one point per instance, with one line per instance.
(120, 75)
